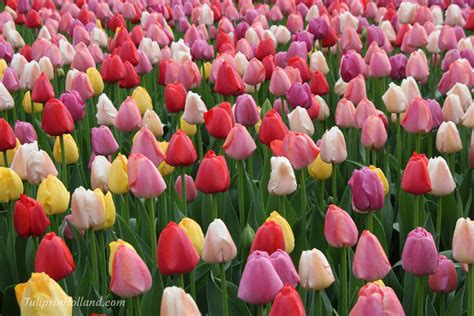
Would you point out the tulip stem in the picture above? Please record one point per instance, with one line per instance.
(199, 137)
(13, 241)
(470, 298)
(370, 222)
(241, 197)
(63, 161)
(416, 219)
(318, 308)
(282, 205)
(418, 143)
(374, 157)
(399, 143)
(125, 215)
(181, 280)
(151, 214)
(344, 283)
(103, 262)
(5, 158)
(213, 206)
(183, 190)
(193, 285)
(303, 207)
(334, 182)
(421, 296)
(442, 302)
(225, 307)
(136, 306)
(93, 252)
(439, 215)
(260, 310)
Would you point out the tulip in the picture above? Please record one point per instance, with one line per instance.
(219, 120)
(194, 232)
(333, 146)
(419, 256)
(57, 120)
(416, 179)
(29, 106)
(190, 188)
(370, 261)
(87, 209)
(100, 171)
(40, 294)
(260, 282)
(103, 141)
(287, 302)
(447, 138)
(271, 128)
(175, 97)
(300, 121)
(181, 151)
(314, 270)
(212, 164)
(96, 80)
(374, 134)
(123, 260)
(442, 182)
(345, 114)
(339, 228)
(379, 65)
(352, 65)
(110, 212)
(42, 89)
(452, 109)
(194, 109)
(74, 103)
(319, 169)
(377, 299)
(152, 122)
(300, 149)
(394, 99)
(33, 164)
(246, 111)
(218, 245)
(445, 277)
(410, 88)
(144, 180)
(285, 228)
(463, 241)
(71, 151)
(255, 72)
(106, 112)
(25, 132)
(142, 99)
(7, 138)
(279, 82)
(53, 257)
(112, 69)
(29, 218)
(128, 117)
(282, 177)
(299, 95)
(176, 302)
(176, 253)
(228, 81)
(118, 177)
(318, 84)
(145, 143)
(53, 195)
(239, 144)
(283, 265)
(11, 186)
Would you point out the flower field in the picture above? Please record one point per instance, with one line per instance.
(206, 157)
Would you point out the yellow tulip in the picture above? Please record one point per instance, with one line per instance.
(194, 232)
(257, 126)
(38, 107)
(53, 195)
(96, 80)
(118, 178)
(285, 228)
(10, 154)
(379, 282)
(382, 178)
(142, 99)
(70, 146)
(109, 207)
(3, 67)
(319, 169)
(188, 129)
(206, 71)
(10, 185)
(41, 295)
(114, 245)
(164, 168)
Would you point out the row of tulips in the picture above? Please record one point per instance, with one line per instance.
(298, 134)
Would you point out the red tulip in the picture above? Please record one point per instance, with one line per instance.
(56, 118)
(265, 48)
(7, 136)
(42, 89)
(228, 81)
(130, 79)
(287, 302)
(128, 52)
(175, 97)
(272, 128)
(175, 252)
(53, 257)
(219, 120)
(416, 178)
(269, 237)
(113, 69)
(181, 150)
(217, 167)
(29, 217)
(319, 84)
(33, 19)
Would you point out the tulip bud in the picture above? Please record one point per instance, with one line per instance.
(447, 138)
(418, 117)
(445, 277)
(40, 294)
(29, 217)
(260, 282)
(218, 245)
(194, 232)
(333, 146)
(442, 182)
(103, 141)
(176, 302)
(96, 80)
(416, 179)
(271, 128)
(145, 143)
(300, 149)
(339, 228)
(394, 99)
(118, 177)
(247, 236)
(123, 261)
(106, 111)
(87, 209)
(370, 261)
(374, 134)
(53, 195)
(70, 147)
(144, 179)
(463, 241)
(181, 150)
(314, 270)
(367, 190)
(420, 256)
(53, 257)
(128, 117)
(282, 177)
(212, 164)
(142, 99)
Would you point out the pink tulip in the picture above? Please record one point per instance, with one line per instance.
(418, 117)
(364, 110)
(146, 144)
(355, 90)
(279, 82)
(345, 114)
(417, 66)
(239, 144)
(103, 141)
(190, 187)
(255, 73)
(375, 300)
(300, 149)
(339, 228)
(370, 261)
(420, 256)
(374, 134)
(82, 84)
(445, 277)
(128, 117)
(284, 267)
(144, 179)
(379, 65)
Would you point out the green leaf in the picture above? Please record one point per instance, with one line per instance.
(9, 303)
(455, 308)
